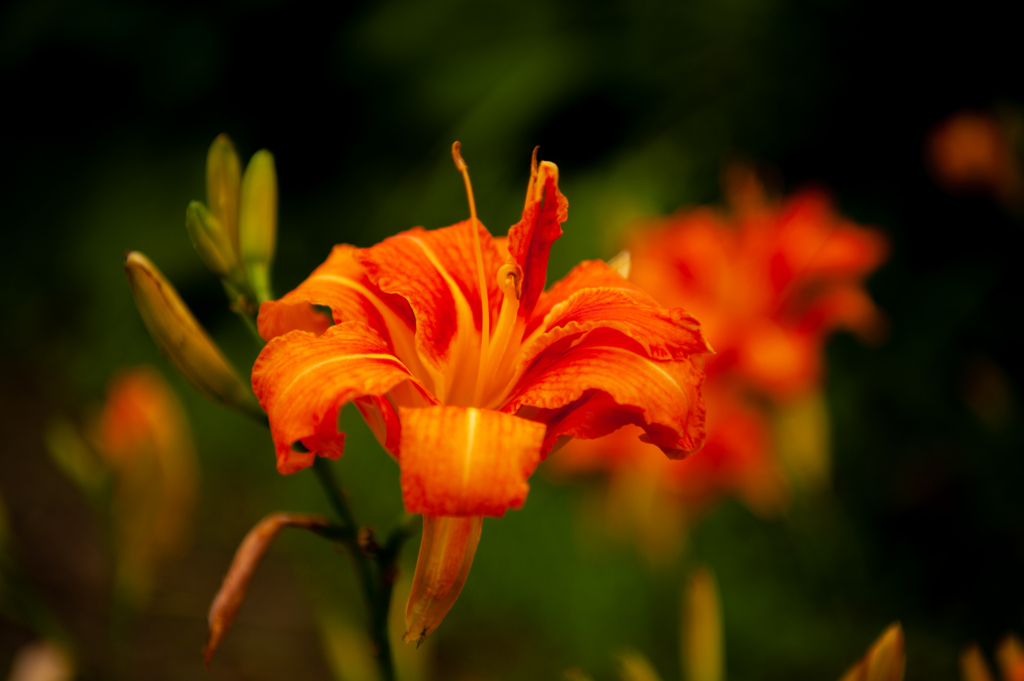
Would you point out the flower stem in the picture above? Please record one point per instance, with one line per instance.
(334, 494)
(375, 566)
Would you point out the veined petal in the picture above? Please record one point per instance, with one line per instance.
(436, 272)
(529, 240)
(302, 380)
(341, 284)
(461, 461)
(663, 333)
(604, 383)
(588, 274)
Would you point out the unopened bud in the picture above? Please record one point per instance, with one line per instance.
(1010, 655)
(884, 661)
(223, 186)
(973, 666)
(182, 340)
(633, 666)
(446, 554)
(702, 629)
(257, 222)
(211, 241)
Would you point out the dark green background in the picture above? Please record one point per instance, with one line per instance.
(108, 111)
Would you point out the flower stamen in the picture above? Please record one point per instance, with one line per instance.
(485, 316)
(510, 281)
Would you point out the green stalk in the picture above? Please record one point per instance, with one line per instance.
(375, 566)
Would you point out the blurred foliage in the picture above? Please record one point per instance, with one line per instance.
(111, 107)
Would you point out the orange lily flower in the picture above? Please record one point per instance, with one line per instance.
(469, 373)
(768, 283)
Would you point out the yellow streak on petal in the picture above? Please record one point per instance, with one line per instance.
(405, 344)
(472, 416)
(340, 358)
(448, 384)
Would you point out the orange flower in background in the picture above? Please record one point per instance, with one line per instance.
(469, 373)
(769, 283)
(972, 151)
(143, 436)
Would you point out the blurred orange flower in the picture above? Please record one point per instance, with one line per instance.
(469, 373)
(971, 151)
(769, 283)
(143, 436)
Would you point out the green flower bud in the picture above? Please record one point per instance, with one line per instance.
(182, 340)
(257, 222)
(223, 185)
(211, 241)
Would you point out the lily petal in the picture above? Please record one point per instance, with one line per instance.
(303, 380)
(446, 554)
(341, 284)
(587, 274)
(460, 461)
(663, 333)
(436, 272)
(530, 239)
(605, 382)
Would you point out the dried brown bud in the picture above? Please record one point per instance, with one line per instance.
(247, 557)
